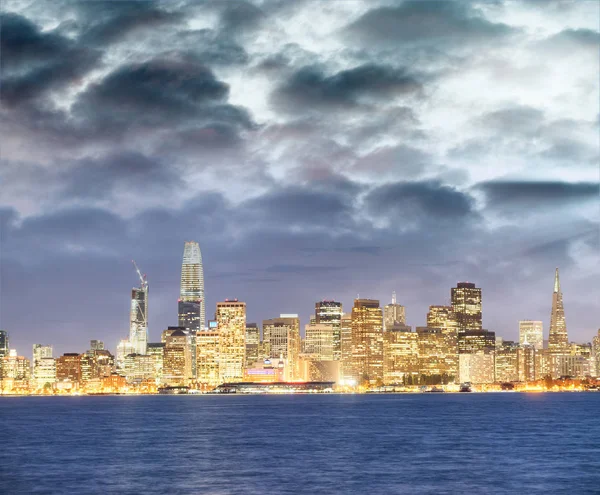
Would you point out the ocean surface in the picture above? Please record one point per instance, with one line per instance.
(295, 444)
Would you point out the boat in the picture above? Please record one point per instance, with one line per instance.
(434, 390)
(465, 387)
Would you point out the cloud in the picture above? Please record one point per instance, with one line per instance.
(309, 88)
(432, 23)
(35, 62)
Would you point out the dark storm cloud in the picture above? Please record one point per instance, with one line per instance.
(240, 16)
(161, 92)
(212, 47)
(540, 194)
(310, 87)
(34, 62)
(128, 170)
(432, 23)
(406, 201)
(105, 23)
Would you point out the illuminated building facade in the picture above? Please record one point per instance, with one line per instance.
(435, 357)
(40, 352)
(138, 324)
(507, 361)
(282, 338)
(156, 350)
(139, 367)
(177, 358)
(532, 333)
(443, 317)
(265, 371)
(68, 367)
(191, 304)
(393, 313)
(231, 320)
(96, 345)
(477, 367)
(252, 343)
(3, 343)
(45, 373)
(527, 362)
(124, 348)
(320, 341)
(207, 358)
(558, 341)
(346, 347)
(400, 356)
(367, 341)
(330, 312)
(596, 353)
(15, 367)
(466, 306)
(95, 364)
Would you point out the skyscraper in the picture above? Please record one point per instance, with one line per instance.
(558, 341)
(466, 306)
(191, 304)
(532, 333)
(252, 343)
(3, 343)
(138, 320)
(393, 313)
(367, 341)
(281, 337)
(330, 312)
(231, 320)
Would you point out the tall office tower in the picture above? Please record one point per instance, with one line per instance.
(177, 358)
(68, 367)
(466, 306)
(367, 341)
(346, 347)
(124, 348)
(476, 341)
(207, 358)
(400, 356)
(44, 373)
(139, 367)
(96, 364)
(138, 321)
(330, 312)
(231, 321)
(443, 317)
(596, 353)
(282, 339)
(558, 341)
(15, 367)
(435, 357)
(191, 304)
(156, 350)
(532, 333)
(96, 345)
(3, 343)
(320, 341)
(527, 363)
(252, 343)
(393, 313)
(507, 361)
(41, 351)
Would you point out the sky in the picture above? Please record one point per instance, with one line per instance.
(315, 150)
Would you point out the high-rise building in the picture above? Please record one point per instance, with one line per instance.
(393, 313)
(231, 320)
(139, 367)
(96, 345)
(44, 373)
(596, 353)
(124, 348)
(138, 323)
(156, 350)
(281, 337)
(527, 362)
(330, 312)
(3, 343)
(177, 358)
(40, 351)
(507, 361)
(346, 347)
(532, 333)
(477, 367)
(466, 306)
(436, 357)
(367, 341)
(558, 341)
(400, 356)
(320, 341)
(68, 367)
(15, 368)
(207, 358)
(442, 317)
(252, 343)
(191, 304)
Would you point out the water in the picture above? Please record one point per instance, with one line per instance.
(367, 444)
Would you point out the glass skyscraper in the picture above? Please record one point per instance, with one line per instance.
(191, 304)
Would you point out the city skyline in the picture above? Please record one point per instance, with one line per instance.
(314, 153)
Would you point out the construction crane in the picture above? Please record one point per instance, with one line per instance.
(143, 281)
